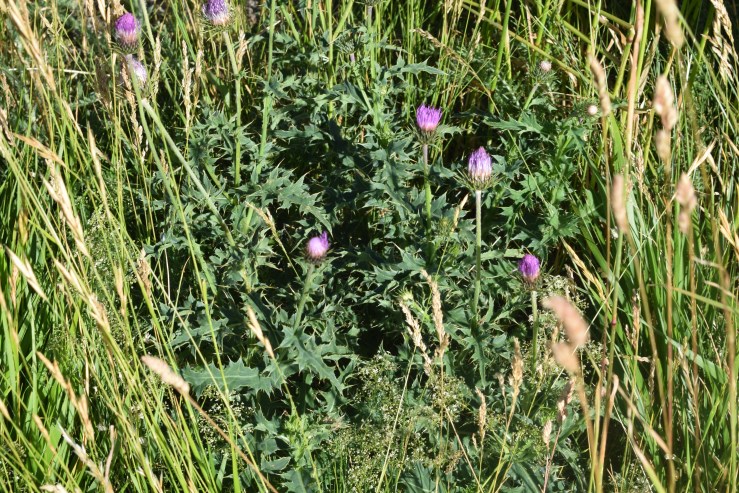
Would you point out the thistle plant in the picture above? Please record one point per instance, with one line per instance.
(529, 267)
(427, 119)
(315, 252)
(127, 31)
(350, 41)
(480, 172)
(218, 15)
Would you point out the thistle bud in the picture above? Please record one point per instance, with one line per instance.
(529, 267)
(545, 66)
(592, 110)
(428, 118)
(317, 247)
(217, 12)
(480, 168)
(127, 30)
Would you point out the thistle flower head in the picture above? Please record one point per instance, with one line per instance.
(317, 247)
(127, 30)
(480, 168)
(136, 69)
(216, 11)
(529, 267)
(545, 66)
(592, 110)
(428, 118)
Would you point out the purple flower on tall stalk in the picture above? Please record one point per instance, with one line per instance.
(216, 11)
(317, 247)
(127, 30)
(136, 69)
(480, 168)
(529, 267)
(428, 118)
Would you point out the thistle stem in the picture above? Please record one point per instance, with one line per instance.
(478, 247)
(535, 337)
(427, 191)
(304, 296)
(237, 85)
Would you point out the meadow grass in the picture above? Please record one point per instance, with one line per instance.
(163, 329)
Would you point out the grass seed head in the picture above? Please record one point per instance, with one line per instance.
(685, 196)
(574, 324)
(618, 203)
(168, 376)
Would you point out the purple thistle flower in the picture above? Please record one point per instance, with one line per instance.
(428, 118)
(137, 69)
(216, 11)
(529, 267)
(127, 30)
(480, 167)
(317, 247)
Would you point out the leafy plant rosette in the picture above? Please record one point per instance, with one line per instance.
(343, 161)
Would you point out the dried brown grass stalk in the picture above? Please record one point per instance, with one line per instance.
(671, 15)
(256, 329)
(414, 330)
(27, 272)
(94, 469)
(187, 74)
(154, 80)
(602, 85)
(168, 376)
(516, 370)
(482, 415)
(565, 357)
(58, 191)
(437, 314)
(722, 40)
(71, 278)
(4, 410)
(685, 196)
(79, 403)
(575, 326)
(618, 203)
(143, 270)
